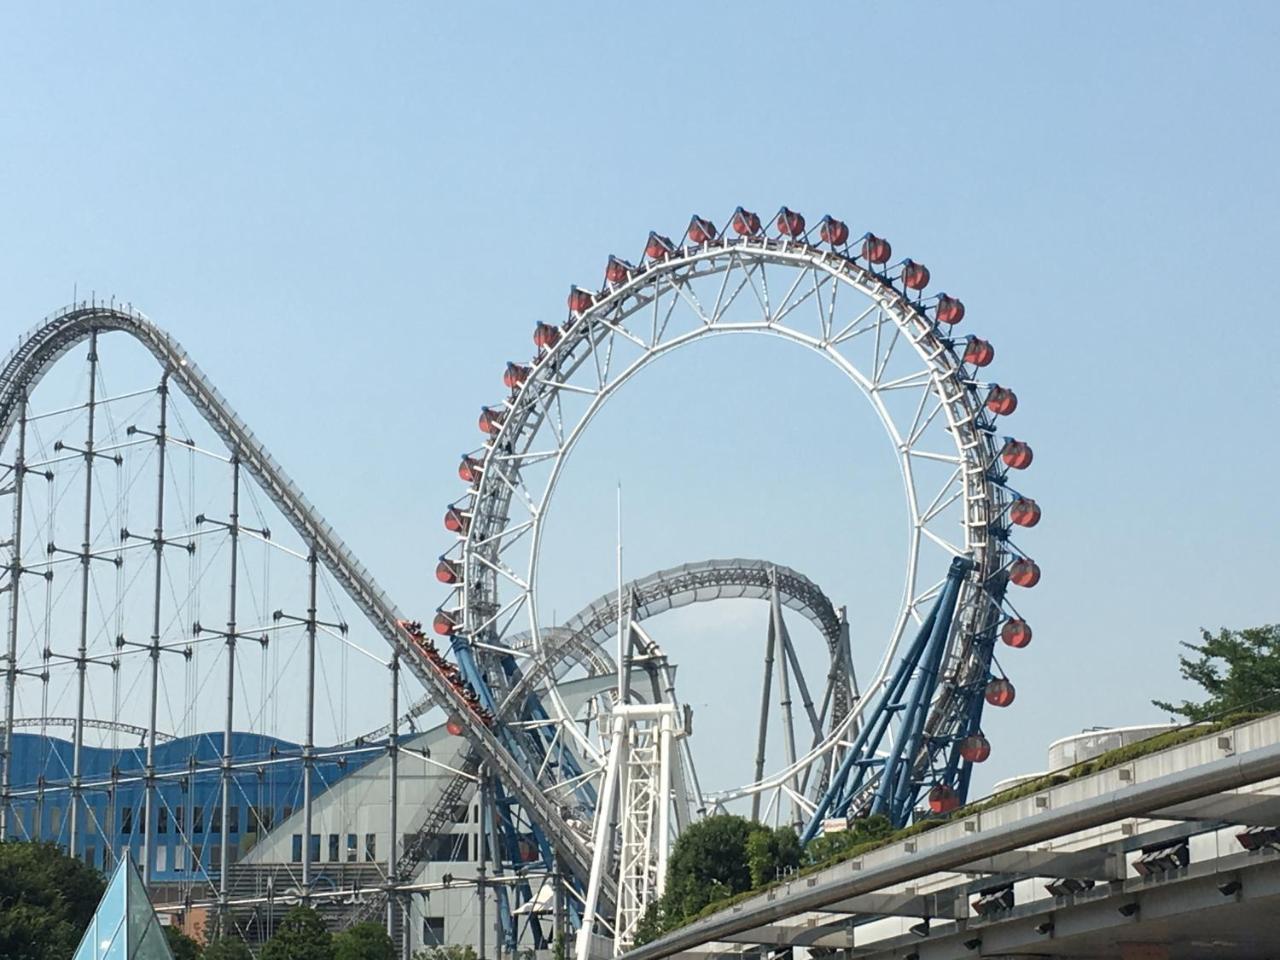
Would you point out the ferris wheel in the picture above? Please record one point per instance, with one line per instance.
(917, 719)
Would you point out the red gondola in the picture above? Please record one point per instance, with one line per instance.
(1016, 455)
(979, 352)
(455, 521)
(490, 421)
(943, 799)
(1024, 572)
(658, 247)
(834, 232)
(790, 223)
(1001, 400)
(975, 748)
(1000, 692)
(701, 231)
(546, 336)
(1016, 633)
(444, 624)
(876, 249)
(447, 571)
(915, 276)
(745, 223)
(469, 470)
(618, 271)
(1025, 512)
(580, 300)
(515, 375)
(950, 310)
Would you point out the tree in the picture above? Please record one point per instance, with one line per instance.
(860, 831)
(227, 948)
(180, 945)
(301, 936)
(709, 862)
(364, 941)
(46, 900)
(771, 852)
(451, 952)
(1238, 669)
(714, 859)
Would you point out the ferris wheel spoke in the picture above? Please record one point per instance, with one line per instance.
(660, 319)
(883, 362)
(601, 372)
(624, 333)
(921, 378)
(519, 460)
(918, 425)
(952, 481)
(827, 310)
(518, 491)
(764, 291)
(507, 536)
(946, 545)
(720, 305)
(749, 273)
(744, 270)
(508, 610)
(689, 297)
(504, 571)
(854, 329)
(567, 387)
(938, 457)
(786, 306)
(934, 511)
(544, 408)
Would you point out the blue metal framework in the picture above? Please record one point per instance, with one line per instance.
(909, 692)
(518, 842)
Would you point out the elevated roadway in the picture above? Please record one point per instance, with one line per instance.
(1144, 859)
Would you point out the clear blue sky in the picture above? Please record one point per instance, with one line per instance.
(353, 215)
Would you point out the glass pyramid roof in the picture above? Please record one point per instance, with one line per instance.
(124, 927)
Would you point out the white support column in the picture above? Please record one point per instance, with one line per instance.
(665, 796)
(602, 844)
(11, 658)
(86, 559)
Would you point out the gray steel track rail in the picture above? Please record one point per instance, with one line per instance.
(689, 583)
(581, 639)
(40, 348)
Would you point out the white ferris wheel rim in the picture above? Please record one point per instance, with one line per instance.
(922, 334)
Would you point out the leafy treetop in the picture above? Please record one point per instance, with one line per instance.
(46, 900)
(1238, 669)
(301, 935)
(364, 941)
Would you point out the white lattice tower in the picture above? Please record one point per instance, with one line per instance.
(644, 813)
(638, 774)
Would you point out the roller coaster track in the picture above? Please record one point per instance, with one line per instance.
(113, 726)
(582, 638)
(689, 583)
(46, 343)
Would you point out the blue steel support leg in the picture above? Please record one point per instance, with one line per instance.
(857, 758)
(507, 837)
(898, 790)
